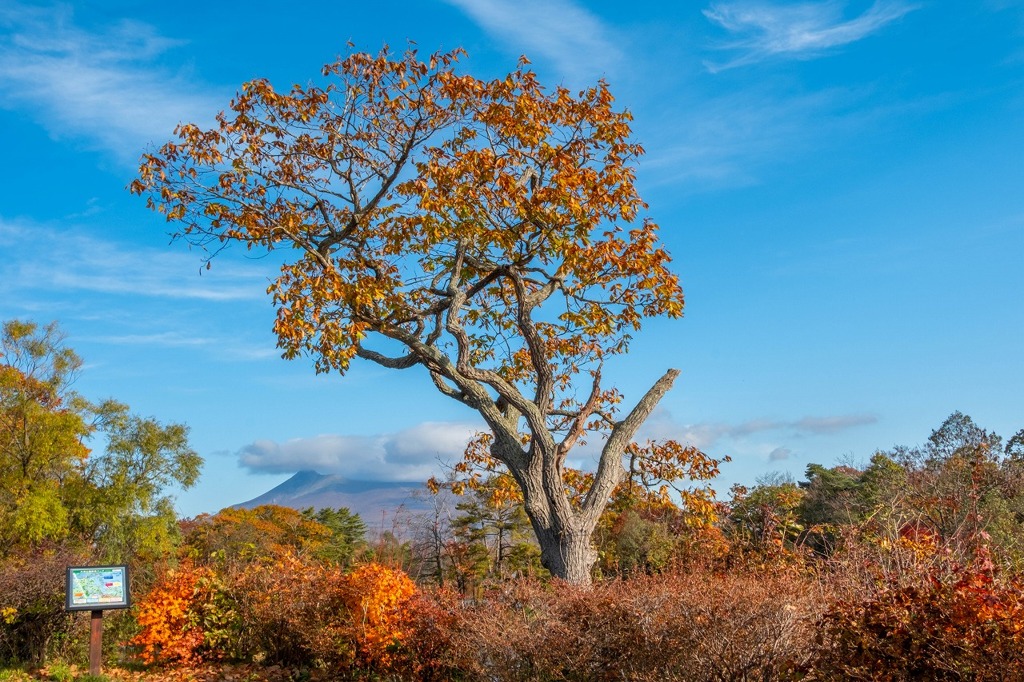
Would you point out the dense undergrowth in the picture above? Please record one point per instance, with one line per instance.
(907, 569)
(909, 611)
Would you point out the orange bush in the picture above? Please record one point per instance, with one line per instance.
(294, 611)
(378, 598)
(170, 630)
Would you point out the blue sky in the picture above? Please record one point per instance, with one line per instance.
(841, 185)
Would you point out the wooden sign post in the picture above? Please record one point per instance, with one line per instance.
(96, 588)
(96, 642)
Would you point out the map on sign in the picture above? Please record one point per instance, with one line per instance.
(97, 587)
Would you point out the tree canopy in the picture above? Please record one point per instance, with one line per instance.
(487, 232)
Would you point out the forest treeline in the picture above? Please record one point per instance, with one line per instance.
(907, 567)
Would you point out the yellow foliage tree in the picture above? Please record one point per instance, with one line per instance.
(490, 229)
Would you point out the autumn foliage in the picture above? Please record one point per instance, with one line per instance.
(288, 611)
(170, 629)
(378, 598)
(944, 620)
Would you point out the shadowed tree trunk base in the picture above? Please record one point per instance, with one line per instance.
(569, 556)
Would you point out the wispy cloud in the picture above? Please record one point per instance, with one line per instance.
(40, 259)
(800, 31)
(709, 434)
(833, 424)
(413, 454)
(103, 88)
(727, 140)
(580, 45)
(799, 428)
(167, 339)
(224, 347)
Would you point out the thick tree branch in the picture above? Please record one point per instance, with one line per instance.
(609, 468)
(404, 362)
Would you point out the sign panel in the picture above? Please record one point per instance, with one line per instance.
(94, 588)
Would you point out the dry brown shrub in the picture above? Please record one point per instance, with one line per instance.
(688, 626)
(33, 623)
(292, 612)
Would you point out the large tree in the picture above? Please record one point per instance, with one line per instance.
(487, 232)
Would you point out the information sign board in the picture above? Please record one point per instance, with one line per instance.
(96, 588)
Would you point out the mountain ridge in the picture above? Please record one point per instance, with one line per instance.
(369, 499)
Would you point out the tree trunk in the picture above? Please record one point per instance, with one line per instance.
(569, 555)
(564, 532)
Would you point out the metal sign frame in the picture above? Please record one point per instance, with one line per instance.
(112, 582)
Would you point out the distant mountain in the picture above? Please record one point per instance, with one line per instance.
(372, 500)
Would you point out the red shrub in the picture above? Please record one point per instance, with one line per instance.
(947, 622)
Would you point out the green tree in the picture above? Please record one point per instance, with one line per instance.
(1014, 449)
(637, 543)
(496, 531)
(487, 233)
(882, 485)
(54, 487)
(348, 534)
(831, 501)
(830, 495)
(765, 517)
(122, 503)
(43, 426)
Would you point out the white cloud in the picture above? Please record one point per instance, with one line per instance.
(416, 453)
(99, 87)
(413, 454)
(42, 259)
(167, 339)
(801, 31)
(580, 46)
